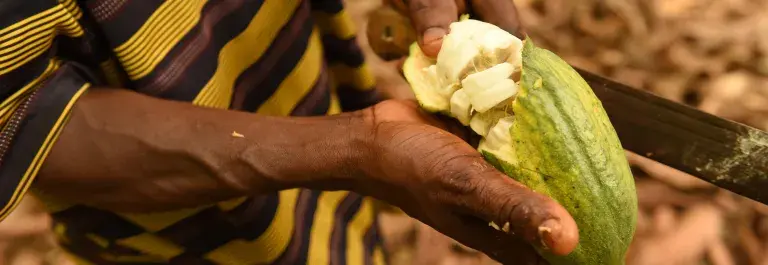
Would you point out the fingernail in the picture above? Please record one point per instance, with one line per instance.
(433, 39)
(434, 34)
(546, 230)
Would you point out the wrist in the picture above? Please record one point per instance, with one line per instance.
(350, 152)
(322, 153)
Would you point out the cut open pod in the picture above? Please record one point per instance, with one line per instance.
(474, 78)
(540, 123)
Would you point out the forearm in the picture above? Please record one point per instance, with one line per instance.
(126, 151)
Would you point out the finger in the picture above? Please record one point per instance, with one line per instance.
(451, 125)
(502, 13)
(398, 5)
(431, 19)
(483, 191)
(435, 120)
(478, 235)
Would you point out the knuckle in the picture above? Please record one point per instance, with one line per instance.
(516, 213)
(524, 211)
(467, 188)
(460, 182)
(431, 13)
(455, 176)
(516, 209)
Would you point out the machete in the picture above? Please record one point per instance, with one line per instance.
(726, 153)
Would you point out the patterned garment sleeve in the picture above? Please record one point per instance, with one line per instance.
(354, 82)
(37, 88)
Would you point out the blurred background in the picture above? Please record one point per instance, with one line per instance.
(709, 54)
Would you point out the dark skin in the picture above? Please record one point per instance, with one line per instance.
(431, 18)
(161, 155)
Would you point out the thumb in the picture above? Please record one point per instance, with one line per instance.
(531, 216)
(500, 13)
(431, 19)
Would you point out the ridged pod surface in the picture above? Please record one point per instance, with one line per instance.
(562, 144)
(565, 147)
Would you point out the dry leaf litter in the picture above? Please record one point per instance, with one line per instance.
(710, 54)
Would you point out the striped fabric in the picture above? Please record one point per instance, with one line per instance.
(276, 57)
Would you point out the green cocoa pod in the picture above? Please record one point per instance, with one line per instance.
(541, 124)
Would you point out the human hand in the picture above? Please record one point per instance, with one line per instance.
(431, 18)
(433, 175)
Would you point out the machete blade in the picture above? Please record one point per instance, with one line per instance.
(725, 153)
